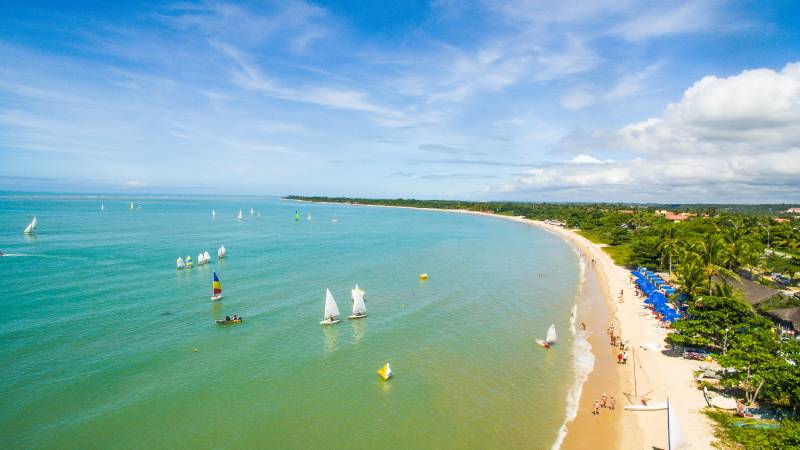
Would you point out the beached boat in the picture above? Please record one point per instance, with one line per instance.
(718, 400)
(221, 252)
(216, 288)
(550, 339)
(385, 372)
(641, 389)
(189, 263)
(359, 307)
(331, 310)
(239, 217)
(180, 265)
(31, 228)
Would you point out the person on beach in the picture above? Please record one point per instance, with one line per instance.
(596, 410)
(619, 358)
(583, 325)
(611, 403)
(604, 400)
(624, 357)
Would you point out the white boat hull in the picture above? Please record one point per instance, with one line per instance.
(357, 316)
(543, 343)
(650, 407)
(216, 297)
(329, 322)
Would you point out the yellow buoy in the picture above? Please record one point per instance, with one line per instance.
(385, 372)
(423, 276)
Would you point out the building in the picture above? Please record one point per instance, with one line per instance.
(676, 217)
(626, 211)
(793, 211)
(780, 220)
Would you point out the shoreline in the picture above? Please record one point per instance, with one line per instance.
(665, 373)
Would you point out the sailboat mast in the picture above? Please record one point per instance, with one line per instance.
(635, 387)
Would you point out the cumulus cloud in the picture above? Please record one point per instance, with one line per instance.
(739, 134)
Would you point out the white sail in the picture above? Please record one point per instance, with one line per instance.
(551, 334)
(180, 263)
(221, 252)
(131, 205)
(677, 440)
(206, 257)
(213, 213)
(239, 217)
(200, 260)
(309, 216)
(359, 307)
(102, 207)
(251, 211)
(31, 226)
(331, 310)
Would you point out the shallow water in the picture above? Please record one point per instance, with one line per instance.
(99, 328)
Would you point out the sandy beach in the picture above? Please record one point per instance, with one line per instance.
(665, 374)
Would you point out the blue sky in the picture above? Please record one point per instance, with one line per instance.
(524, 100)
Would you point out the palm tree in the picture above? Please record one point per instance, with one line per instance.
(667, 246)
(709, 250)
(690, 275)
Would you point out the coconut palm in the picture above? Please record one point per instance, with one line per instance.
(667, 246)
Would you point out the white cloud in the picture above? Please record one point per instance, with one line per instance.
(578, 99)
(734, 136)
(670, 18)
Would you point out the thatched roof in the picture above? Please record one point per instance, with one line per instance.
(753, 292)
(787, 315)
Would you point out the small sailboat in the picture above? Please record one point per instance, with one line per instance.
(385, 372)
(550, 339)
(641, 389)
(308, 216)
(180, 263)
(251, 211)
(213, 213)
(200, 259)
(676, 440)
(335, 219)
(359, 307)
(189, 263)
(206, 257)
(221, 252)
(296, 216)
(331, 310)
(216, 288)
(102, 207)
(423, 276)
(239, 217)
(131, 205)
(31, 228)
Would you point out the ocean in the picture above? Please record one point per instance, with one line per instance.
(105, 344)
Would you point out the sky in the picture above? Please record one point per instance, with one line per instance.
(602, 100)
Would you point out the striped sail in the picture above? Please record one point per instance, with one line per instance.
(216, 287)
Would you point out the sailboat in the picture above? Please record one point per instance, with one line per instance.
(102, 207)
(239, 217)
(131, 205)
(359, 307)
(221, 252)
(331, 310)
(200, 259)
(206, 257)
(640, 401)
(180, 263)
(308, 216)
(213, 213)
(676, 440)
(31, 226)
(216, 288)
(296, 216)
(335, 219)
(550, 339)
(251, 211)
(189, 263)
(385, 372)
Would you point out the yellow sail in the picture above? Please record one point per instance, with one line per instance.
(385, 372)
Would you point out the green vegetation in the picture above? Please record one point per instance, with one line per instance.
(704, 256)
(735, 432)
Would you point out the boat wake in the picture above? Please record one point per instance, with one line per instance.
(582, 363)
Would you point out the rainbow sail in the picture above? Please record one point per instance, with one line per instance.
(216, 288)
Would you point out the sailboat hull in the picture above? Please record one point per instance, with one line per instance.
(329, 322)
(357, 316)
(216, 297)
(650, 407)
(543, 343)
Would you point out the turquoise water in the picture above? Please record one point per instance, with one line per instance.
(99, 329)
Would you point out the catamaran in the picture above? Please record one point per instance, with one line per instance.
(216, 288)
(331, 310)
(385, 372)
(239, 217)
(189, 263)
(359, 307)
(639, 400)
(31, 226)
(221, 252)
(550, 339)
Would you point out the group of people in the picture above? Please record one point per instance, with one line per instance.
(228, 318)
(616, 341)
(604, 402)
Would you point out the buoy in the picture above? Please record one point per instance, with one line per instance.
(385, 372)
(423, 276)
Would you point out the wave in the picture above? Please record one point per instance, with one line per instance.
(582, 361)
